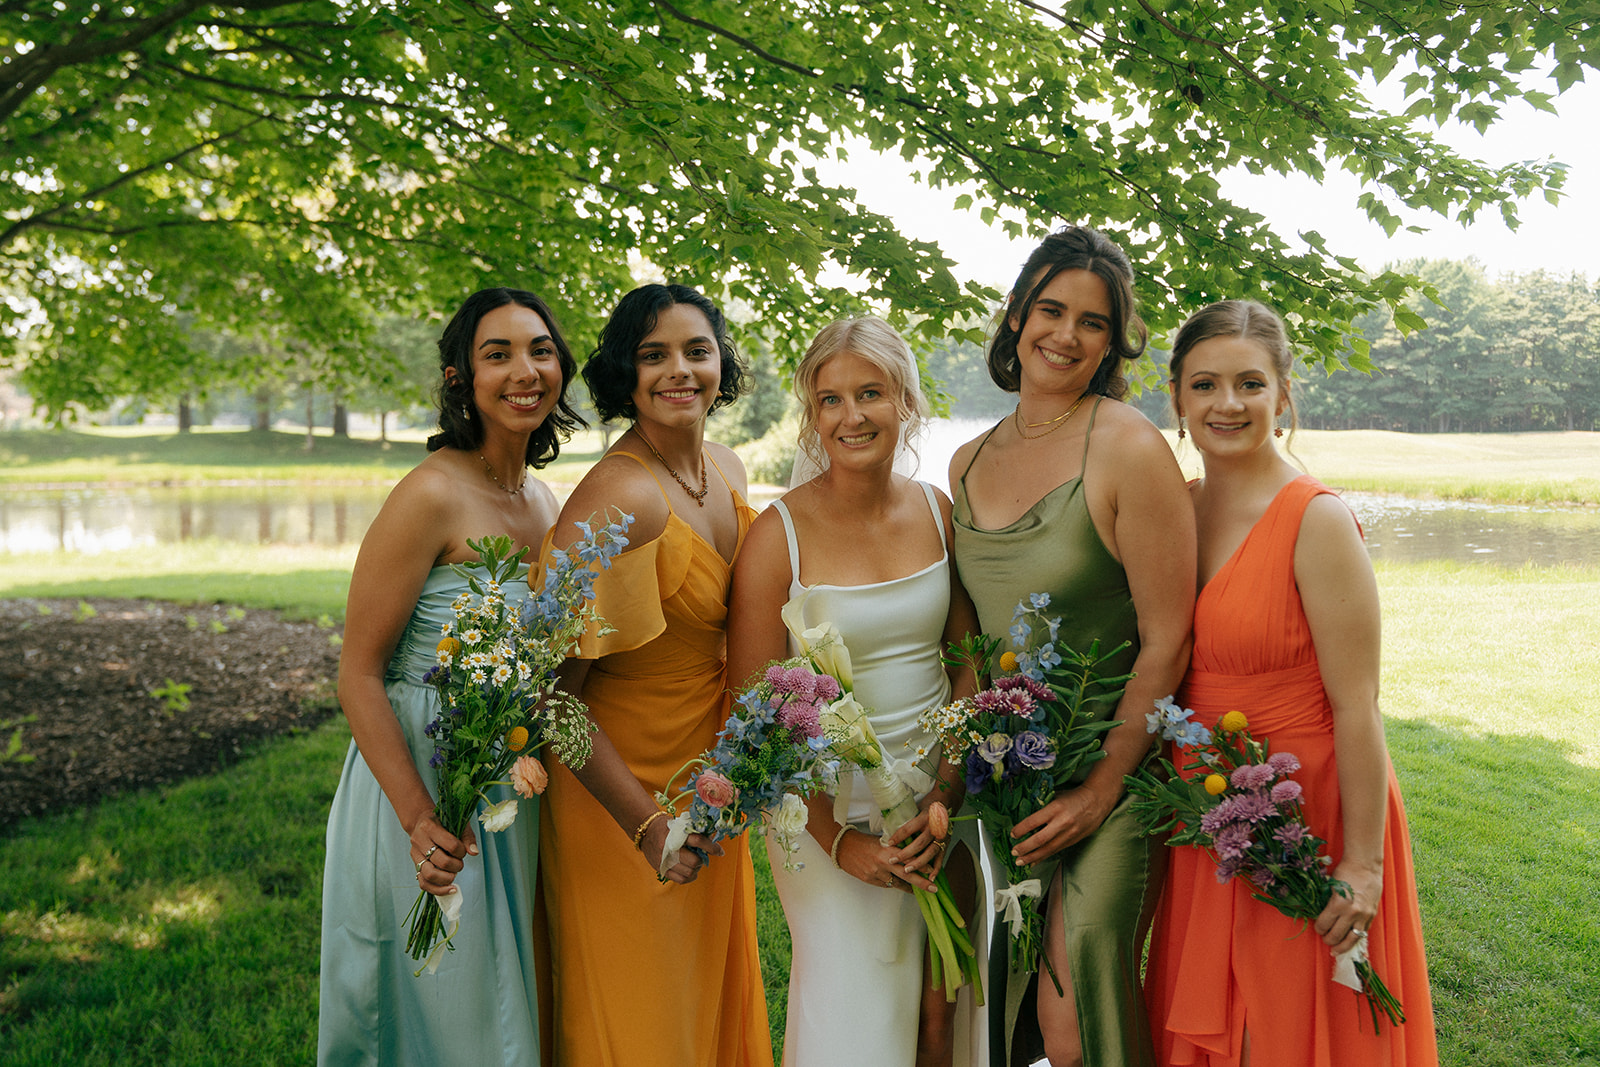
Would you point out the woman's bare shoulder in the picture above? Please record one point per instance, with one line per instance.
(616, 483)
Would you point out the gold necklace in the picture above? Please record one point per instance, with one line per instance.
(489, 469)
(1054, 424)
(698, 498)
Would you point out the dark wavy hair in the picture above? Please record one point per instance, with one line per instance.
(611, 373)
(1071, 248)
(459, 424)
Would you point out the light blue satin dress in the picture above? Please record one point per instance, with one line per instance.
(481, 1005)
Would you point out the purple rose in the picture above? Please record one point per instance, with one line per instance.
(1035, 751)
(993, 748)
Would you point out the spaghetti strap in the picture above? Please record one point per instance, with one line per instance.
(974, 459)
(933, 506)
(640, 461)
(718, 469)
(790, 537)
(1088, 434)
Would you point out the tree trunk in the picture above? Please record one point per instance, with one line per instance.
(341, 419)
(185, 416)
(311, 417)
(263, 415)
(383, 428)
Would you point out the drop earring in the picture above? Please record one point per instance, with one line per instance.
(1277, 431)
(1182, 433)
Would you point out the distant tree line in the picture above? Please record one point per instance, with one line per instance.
(1517, 353)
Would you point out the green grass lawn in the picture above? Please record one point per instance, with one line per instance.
(179, 924)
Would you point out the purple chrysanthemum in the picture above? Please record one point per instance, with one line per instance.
(1252, 776)
(1253, 808)
(827, 688)
(1291, 834)
(1286, 792)
(1232, 841)
(801, 716)
(1224, 814)
(991, 701)
(1283, 762)
(1037, 690)
(801, 682)
(1018, 702)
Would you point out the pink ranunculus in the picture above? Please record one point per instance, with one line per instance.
(528, 776)
(715, 790)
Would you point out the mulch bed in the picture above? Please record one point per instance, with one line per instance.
(97, 692)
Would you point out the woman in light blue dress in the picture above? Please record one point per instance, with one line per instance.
(504, 369)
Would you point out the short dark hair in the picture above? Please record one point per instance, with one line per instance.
(1071, 248)
(610, 371)
(459, 424)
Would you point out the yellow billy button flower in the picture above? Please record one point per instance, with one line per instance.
(517, 739)
(1008, 661)
(449, 646)
(1233, 722)
(1216, 785)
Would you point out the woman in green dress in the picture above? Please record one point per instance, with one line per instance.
(504, 370)
(1077, 495)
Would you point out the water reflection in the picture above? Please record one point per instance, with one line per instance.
(100, 520)
(1399, 529)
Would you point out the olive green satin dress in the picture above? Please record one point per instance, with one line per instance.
(1110, 881)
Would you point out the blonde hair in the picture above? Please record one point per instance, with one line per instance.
(880, 345)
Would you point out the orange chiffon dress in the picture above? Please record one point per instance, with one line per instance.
(646, 974)
(1222, 963)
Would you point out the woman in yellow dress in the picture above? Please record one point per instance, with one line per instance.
(654, 968)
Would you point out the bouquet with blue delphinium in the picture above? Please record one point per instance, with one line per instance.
(1023, 739)
(1235, 799)
(769, 754)
(498, 701)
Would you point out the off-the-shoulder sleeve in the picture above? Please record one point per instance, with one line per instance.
(629, 593)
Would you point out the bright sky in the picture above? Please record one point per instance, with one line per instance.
(1562, 239)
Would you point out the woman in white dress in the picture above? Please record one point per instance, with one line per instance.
(867, 550)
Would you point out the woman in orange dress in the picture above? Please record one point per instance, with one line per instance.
(1286, 631)
(654, 968)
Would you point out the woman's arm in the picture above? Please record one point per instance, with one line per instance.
(399, 550)
(609, 485)
(761, 580)
(1340, 596)
(1153, 536)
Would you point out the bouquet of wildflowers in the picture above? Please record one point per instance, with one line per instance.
(768, 755)
(852, 740)
(498, 702)
(1235, 799)
(1020, 741)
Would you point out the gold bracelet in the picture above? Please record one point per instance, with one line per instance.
(638, 835)
(833, 853)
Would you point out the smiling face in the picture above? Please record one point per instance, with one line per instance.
(1231, 395)
(679, 367)
(1066, 336)
(854, 412)
(516, 370)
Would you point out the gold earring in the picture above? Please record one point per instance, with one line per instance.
(1277, 431)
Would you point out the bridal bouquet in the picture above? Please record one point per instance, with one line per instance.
(495, 677)
(851, 739)
(768, 755)
(1020, 741)
(1236, 799)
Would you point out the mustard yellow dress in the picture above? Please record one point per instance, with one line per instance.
(645, 974)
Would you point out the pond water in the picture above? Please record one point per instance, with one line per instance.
(1400, 529)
